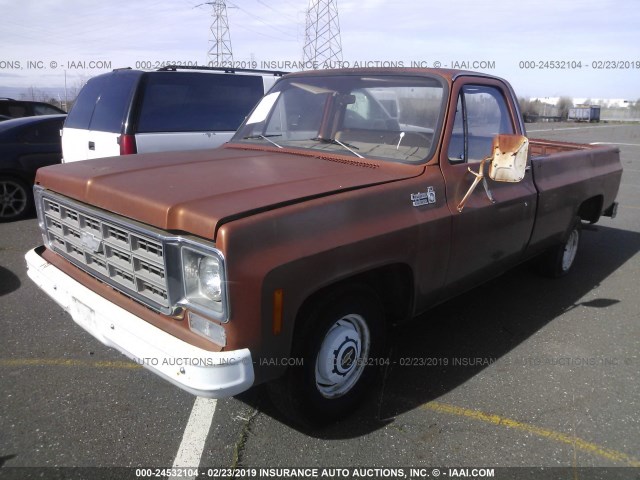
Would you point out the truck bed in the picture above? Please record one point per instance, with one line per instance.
(572, 179)
(539, 147)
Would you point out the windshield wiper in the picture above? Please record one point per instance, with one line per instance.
(264, 137)
(334, 141)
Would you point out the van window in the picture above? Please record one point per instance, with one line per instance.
(187, 102)
(102, 103)
(113, 103)
(80, 114)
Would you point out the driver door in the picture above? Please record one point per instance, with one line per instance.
(487, 237)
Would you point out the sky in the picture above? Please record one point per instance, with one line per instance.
(575, 48)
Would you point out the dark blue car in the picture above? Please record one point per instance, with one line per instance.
(26, 144)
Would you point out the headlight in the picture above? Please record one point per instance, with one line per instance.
(210, 278)
(204, 282)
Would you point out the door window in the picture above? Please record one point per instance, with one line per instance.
(481, 114)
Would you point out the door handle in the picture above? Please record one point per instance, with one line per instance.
(92, 145)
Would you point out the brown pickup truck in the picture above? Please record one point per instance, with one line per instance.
(345, 203)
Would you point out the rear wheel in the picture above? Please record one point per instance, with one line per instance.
(339, 340)
(16, 199)
(559, 260)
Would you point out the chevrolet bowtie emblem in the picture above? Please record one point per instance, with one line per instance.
(91, 242)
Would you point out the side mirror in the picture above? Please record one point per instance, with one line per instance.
(510, 153)
(508, 164)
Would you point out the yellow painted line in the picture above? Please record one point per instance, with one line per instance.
(578, 443)
(61, 362)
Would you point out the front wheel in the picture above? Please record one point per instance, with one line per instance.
(340, 340)
(342, 356)
(558, 261)
(16, 199)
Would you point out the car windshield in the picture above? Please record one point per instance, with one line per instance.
(370, 116)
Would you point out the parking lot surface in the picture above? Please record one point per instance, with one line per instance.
(520, 372)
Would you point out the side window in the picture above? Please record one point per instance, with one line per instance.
(16, 110)
(457, 147)
(42, 109)
(481, 114)
(194, 102)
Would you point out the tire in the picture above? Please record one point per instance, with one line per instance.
(16, 199)
(340, 339)
(558, 261)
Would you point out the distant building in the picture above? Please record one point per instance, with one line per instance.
(603, 102)
(611, 109)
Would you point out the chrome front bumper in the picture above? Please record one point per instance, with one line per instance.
(198, 371)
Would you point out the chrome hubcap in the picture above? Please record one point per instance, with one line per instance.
(13, 199)
(343, 356)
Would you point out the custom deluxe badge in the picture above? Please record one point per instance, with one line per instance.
(424, 198)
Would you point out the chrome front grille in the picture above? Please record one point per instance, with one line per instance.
(127, 258)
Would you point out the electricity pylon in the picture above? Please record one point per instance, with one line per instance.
(322, 44)
(220, 53)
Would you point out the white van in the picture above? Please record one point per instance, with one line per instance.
(174, 108)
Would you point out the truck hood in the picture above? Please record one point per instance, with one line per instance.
(198, 191)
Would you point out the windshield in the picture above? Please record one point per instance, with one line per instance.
(387, 117)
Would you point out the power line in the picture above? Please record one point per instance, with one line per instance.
(257, 32)
(279, 12)
(264, 22)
